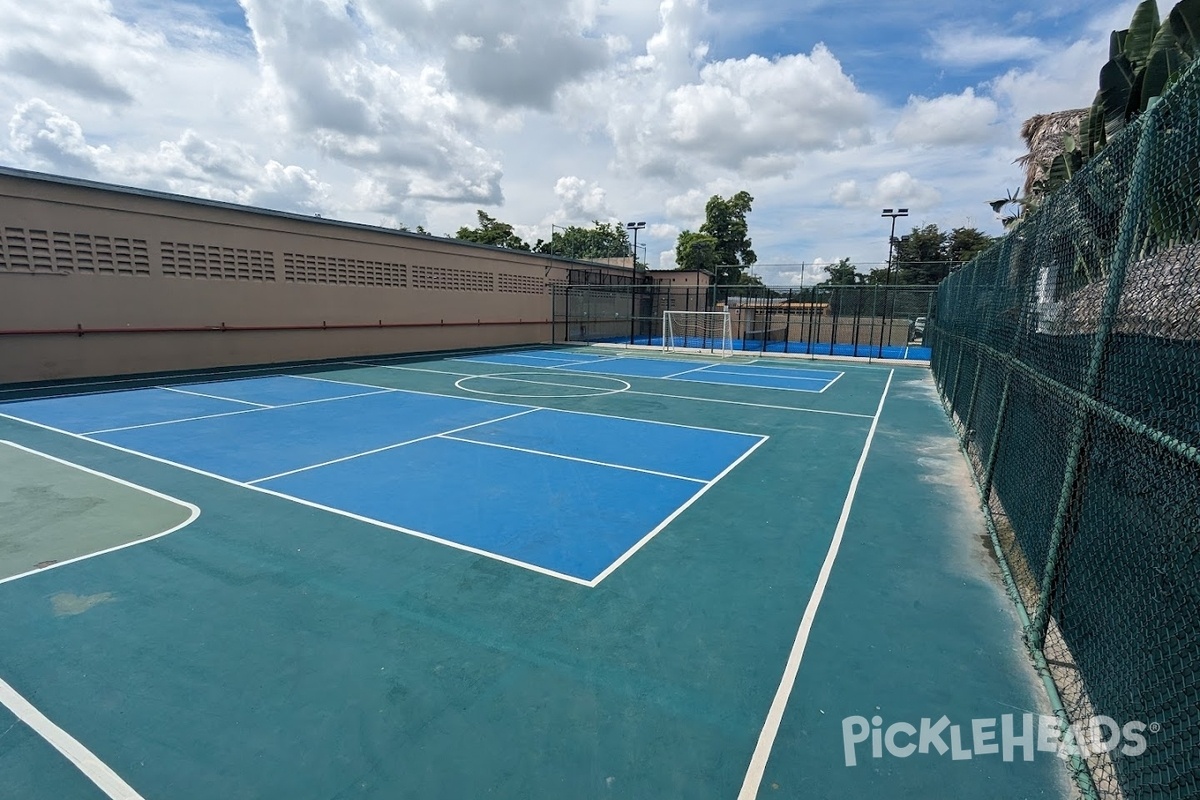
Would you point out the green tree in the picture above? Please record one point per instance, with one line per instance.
(966, 243)
(843, 273)
(602, 240)
(492, 231)
(725, 224)
(919, 257)
(926, 255)
(696, 251)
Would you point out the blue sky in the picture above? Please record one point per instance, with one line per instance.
(547, 112)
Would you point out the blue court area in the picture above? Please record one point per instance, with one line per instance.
(720, 373)
(561, 492)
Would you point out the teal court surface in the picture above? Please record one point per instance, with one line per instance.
(533, 573)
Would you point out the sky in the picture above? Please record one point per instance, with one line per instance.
(558, 112)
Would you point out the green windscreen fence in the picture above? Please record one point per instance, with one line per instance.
(1069, 358)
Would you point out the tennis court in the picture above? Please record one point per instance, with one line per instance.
(540, 572)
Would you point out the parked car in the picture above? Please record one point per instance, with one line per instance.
(916, 330)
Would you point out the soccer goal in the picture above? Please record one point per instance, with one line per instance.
(698, 330)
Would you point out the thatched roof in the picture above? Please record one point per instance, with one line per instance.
(1043, 136)
(1160, 297)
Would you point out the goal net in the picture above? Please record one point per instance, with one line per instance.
(698, 330)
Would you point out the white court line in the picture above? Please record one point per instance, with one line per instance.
(566, 368)
(211, 396)
(571, 458)
(642, 542)
(770, 376)
(84, 760)
(415, 369)
(770, 729)
(595, 360)
(751, 405)
(525, 355)
(686, 371)
(538, 408)
(194, 511)
(382, 390)
(752, 385)
(629, 391)
(309, 503)
(504, 377)
(832, 382)
(388, 447)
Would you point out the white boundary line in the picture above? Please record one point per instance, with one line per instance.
(388, 447)
(586, 360)
(759, 371)
(770, 729)
(642, 542)
(832, 382)
(212, 396)
(571, 458)
(311, 504)
(593, 361)
(194, 511)
(413, 369)
(596, 391)
(693, 369)
(382, 390)
(84, 760)
(567, 369)
(632, 391)
(529, 405)
(751, 405)
(751, 385)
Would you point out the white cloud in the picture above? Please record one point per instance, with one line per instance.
(848, 193)
(952, 119)
(581, 200)
(1065, 79)
(893, 189)
(52, 139)
(511, 55)
(541, 112)
(956, 47)
(687, 206)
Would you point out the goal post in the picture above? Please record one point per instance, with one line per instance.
(711, 331)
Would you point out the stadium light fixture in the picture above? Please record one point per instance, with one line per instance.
(635, 227)
(893, 213)
(633, 292)
(887, 281)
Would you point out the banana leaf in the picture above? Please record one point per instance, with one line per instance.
(1185, 24)
(1117, 85)
(1139, 39)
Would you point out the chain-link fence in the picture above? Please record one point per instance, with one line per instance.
(886, 322)
(1069, 357)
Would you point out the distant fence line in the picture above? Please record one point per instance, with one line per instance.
(850, 321)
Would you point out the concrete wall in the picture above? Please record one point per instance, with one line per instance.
(155, 282)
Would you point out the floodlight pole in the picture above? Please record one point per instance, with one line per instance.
(887, 281)
(635, 227)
